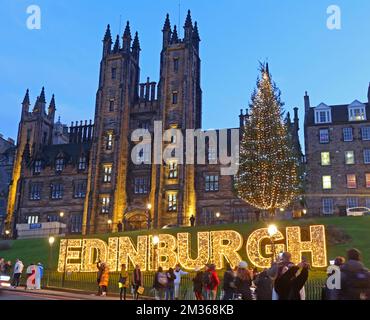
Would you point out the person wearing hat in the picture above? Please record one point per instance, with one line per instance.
(198, 284)
(243, 281)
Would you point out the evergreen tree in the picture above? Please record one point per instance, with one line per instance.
(268, 176)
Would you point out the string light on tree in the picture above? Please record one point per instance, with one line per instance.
(269, 174)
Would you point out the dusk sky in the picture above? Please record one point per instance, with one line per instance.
(64, 56)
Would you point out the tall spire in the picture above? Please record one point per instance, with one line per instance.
(107, 42)
(52, 108)
(136, 43)
(175, 37)
(116, 45)
(26, 100)
(108, 35)
(42, 96)
(196, 38)
(188, 27)
(127, 38)
(167, 31)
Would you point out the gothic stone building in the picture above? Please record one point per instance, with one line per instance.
(7, 150)
(338, 157)
(86, 171)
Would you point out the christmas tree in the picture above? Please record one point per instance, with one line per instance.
(268, 176)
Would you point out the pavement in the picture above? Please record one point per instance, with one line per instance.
(22, 294)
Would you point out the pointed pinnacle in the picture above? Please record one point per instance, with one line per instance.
(167, 24)
(26, 99)
(42, 96)
(175, 37)
(136, 43)
(116, 45)
(188, 22)
(127, 33)
(108, 36)
(52, 102)
(196, 32)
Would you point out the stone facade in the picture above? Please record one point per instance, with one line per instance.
(117, 192)
(338, 164)
(7, 150)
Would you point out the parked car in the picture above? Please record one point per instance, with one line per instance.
(358, 212)
(170, 226)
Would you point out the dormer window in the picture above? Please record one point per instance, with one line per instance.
(356, 111)
(322, 114)
(59, 165)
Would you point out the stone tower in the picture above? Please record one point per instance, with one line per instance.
(35, 131)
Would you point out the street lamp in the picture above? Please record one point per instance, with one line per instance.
(110, 222)
(304, 211)
(61, 214)
(149, 206)
(272, 231)
(51, 242)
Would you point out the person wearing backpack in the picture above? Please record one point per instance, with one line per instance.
(264, 286)
(160, 284)
(198, 284)
(229, 285)
(355, 278)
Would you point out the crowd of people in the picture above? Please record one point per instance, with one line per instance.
(34, 273)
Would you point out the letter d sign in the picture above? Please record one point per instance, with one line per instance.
(34, 20)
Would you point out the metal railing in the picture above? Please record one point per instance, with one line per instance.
(87, 282)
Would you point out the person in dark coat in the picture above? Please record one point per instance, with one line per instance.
(198, 284)
(290, 283)
(355, 278)
(264, 286)
(170, 290)
(243, 282)
(228, 283)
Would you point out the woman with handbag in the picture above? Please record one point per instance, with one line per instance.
(124, 282)
(137, 282)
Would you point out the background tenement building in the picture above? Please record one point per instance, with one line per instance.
(86, 171)
(337, 140)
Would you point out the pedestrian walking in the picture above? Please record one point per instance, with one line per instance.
(171, 277)
(198, 284)
(211, 282)
(124, 282)
(104, 279)
(137, 282)
(119, 226)
(160, 284)
(355, 278)
(264, 285)
(243, 282)
(99, 266)
(228, 283)
(192, 221)
(17, 272)
(178, 273)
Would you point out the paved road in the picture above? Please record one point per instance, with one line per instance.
(7, 295)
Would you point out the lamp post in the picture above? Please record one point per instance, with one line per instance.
(51, 242)
(155, 244)
(110, 223)
(61, 218)
(7, 233)
(272, 231)
(218, 215)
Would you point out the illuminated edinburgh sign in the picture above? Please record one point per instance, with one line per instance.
(218, 247)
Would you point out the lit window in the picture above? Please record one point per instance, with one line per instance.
(324, 135)
(172, 202)
(109, 145)
(59, 165)
(33, 219)
(105, 204)
(326, 182)
(82, 163)
(141, 185)
(175, 97)
(57, 190)
(80, 189)
(357, 114)
(367, 177)
(325, 158)
(367, 156)
(35, 191)
(347, 134)
(351, 181)
(37, 167)
(352, 203)
(349, 157)
(327, 206)
(76, 223)
(212, 183)
(172, 170)
(107, 176)
(365, 133)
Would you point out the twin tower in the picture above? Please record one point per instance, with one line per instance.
(135, 194)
